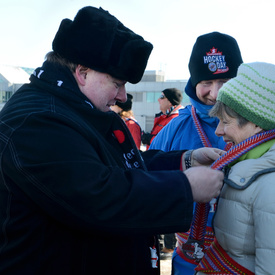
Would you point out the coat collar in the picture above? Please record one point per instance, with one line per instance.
(245, 172)
(59, 81)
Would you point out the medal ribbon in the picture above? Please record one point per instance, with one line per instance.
(198, 228)
(204, 139)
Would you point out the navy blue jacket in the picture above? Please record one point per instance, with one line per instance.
(75, 193)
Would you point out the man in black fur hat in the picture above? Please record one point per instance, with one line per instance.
(76, 196)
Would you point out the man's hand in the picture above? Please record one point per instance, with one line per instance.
(205, 183)
(204, 156)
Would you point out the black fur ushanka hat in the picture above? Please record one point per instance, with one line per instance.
(98, 40)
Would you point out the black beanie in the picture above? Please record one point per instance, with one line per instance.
(173, 95)
(126, 106)
(214, 56)
(98, 40)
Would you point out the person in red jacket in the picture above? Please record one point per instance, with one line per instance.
(124, 110)
(169, 104)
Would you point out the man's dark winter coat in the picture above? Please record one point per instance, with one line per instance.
(76, 196)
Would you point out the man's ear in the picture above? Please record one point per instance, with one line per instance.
(81, 74)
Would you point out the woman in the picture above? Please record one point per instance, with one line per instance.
(245, 217)
(126, 113)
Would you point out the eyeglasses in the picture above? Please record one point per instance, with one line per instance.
(162, 97)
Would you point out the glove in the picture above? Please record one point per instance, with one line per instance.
(146, 138)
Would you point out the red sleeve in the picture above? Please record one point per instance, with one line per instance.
(135, 130)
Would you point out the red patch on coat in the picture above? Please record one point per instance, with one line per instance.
(119, 135)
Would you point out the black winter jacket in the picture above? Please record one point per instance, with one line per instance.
(75, 197)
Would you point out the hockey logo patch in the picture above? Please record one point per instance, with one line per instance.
(215, 61)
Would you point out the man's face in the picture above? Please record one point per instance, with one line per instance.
(164, 103)
(103, 90)
(207, 90)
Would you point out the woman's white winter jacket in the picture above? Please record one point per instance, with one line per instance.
(245, 219)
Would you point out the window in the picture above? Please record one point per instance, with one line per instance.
(5, 96)
(152, 97)
(137, 97)
(185, 99)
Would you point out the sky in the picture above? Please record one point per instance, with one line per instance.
(27, 28)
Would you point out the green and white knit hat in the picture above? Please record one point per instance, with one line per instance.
(252, 93)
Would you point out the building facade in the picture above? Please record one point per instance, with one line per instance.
(11, 79)
(146, 94)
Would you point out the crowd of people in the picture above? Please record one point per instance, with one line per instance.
(76, 192)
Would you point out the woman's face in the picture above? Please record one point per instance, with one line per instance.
(116, 109)
(232, 132)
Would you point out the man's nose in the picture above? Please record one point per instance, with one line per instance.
(122, 96)
(215, 90)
